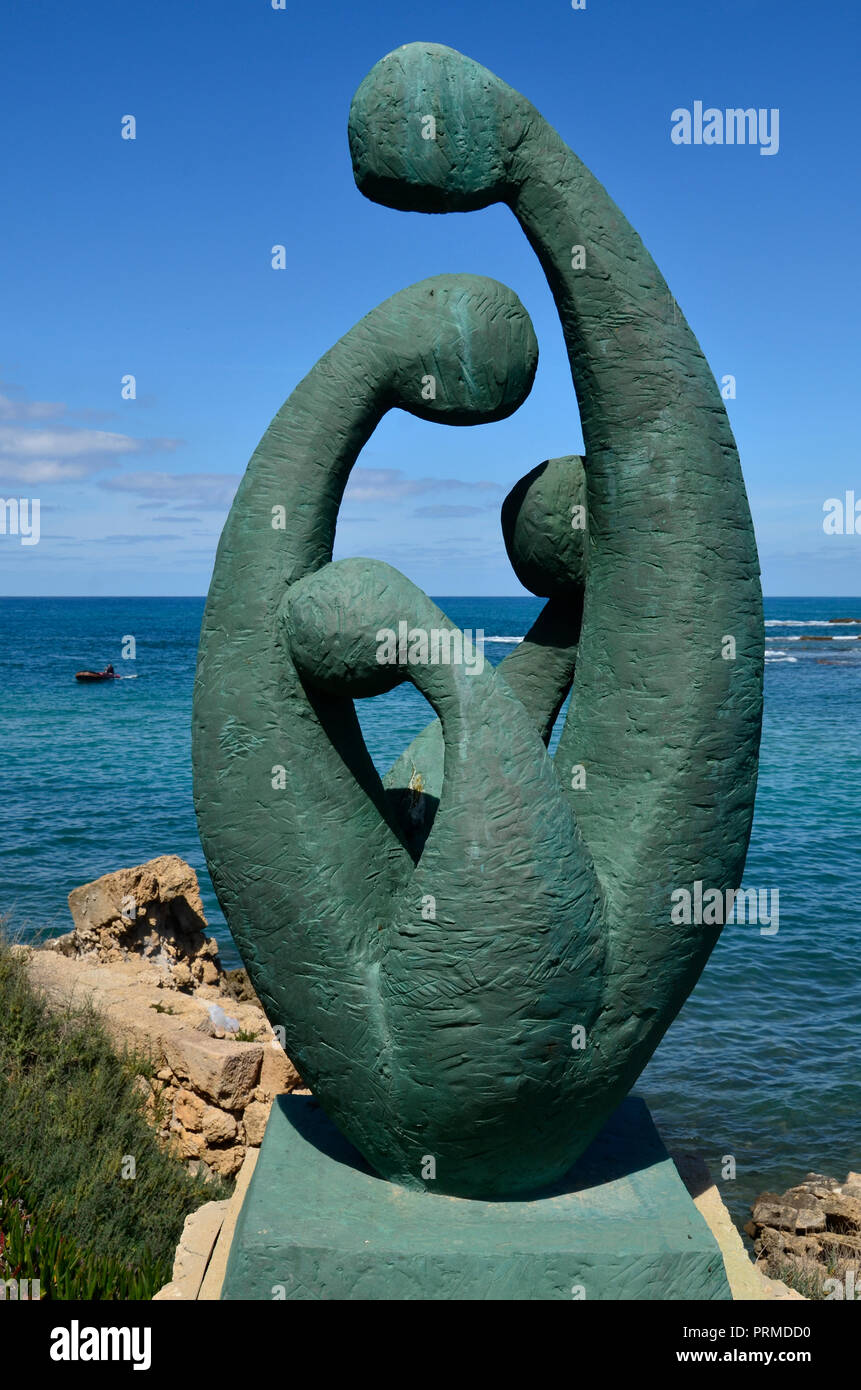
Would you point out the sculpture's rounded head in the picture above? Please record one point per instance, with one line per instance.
(461, 349)
(432, 131)
(340, 623)
(544, 525)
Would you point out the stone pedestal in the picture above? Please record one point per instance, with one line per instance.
(317, 1223)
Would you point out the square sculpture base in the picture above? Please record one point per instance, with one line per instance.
(317, 1223)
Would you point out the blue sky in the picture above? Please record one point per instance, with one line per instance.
(152, 257)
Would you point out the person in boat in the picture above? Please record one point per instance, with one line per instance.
(109, 670)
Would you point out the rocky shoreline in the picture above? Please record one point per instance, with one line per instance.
(810, 1236)
(140, 954)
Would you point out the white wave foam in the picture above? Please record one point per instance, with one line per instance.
(811, 622)
(503, 639)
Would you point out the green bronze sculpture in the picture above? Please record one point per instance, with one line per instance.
(473, 959)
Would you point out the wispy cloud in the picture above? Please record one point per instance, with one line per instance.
(393, 485)
(186, 518)
(441, 510)
(30, 410)
(181, 491)
(15, 405)
(142, 538)
(215, 491)
(64, 453)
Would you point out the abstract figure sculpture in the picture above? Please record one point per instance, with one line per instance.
(449, 1035)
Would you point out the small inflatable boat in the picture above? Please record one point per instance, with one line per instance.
(107, 675)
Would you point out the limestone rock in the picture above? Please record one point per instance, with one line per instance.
(194, 1251)
(186, 1143)
(813, 1230)
(255, 1117)
(219, 1127)
(65, 945)
(852, 1185)
(203, 1086)
(225, 1072)
(205, 972)
(788, 1213)
(277, 1072)
(188, 1110)
(237, 984)
(225, 1162)
(152, 910)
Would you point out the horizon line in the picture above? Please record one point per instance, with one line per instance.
(74, 598)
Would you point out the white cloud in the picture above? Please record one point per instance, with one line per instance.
(216, 490)
(442, 510)
(29, 410)
(182, 491)
(64, 453)
(393, 485)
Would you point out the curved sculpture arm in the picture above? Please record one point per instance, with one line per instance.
(290, 870)
(479, 985)
(544, 537)
(666, 700)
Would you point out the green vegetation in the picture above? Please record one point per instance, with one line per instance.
(32, 1248)
(73, 1131)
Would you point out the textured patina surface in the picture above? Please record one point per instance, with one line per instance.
(446, 1033)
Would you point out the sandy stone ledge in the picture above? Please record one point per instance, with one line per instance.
(210, 1096)
(140, 955)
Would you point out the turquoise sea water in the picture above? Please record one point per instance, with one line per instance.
(764, 1061)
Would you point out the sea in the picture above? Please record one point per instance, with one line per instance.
(760, 1072)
